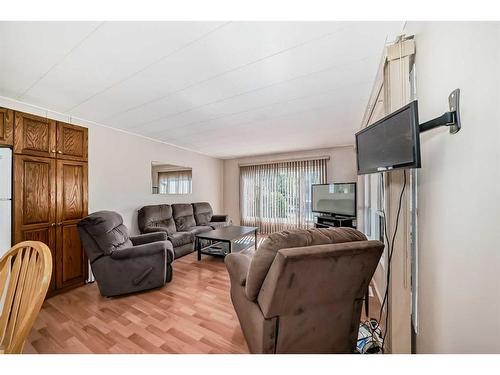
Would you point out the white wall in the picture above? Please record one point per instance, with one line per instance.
(459, 189)
(120, 173)
(120, 169)
(341, 168)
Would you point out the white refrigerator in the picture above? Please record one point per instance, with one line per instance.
(5, 199)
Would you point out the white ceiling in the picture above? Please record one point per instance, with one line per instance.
(225, 89)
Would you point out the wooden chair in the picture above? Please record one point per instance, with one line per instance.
(25, 272)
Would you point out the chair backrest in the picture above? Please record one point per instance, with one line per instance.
(103, 232)
(183, 216)
(317, 292)
(202, 213)
(159, 215)
(25, 272)
(264, 257)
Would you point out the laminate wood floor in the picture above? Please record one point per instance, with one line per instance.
(191, 314)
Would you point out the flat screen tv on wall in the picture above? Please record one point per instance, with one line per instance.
(390, 143)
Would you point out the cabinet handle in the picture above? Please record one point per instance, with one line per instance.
(53, 151)
(59, 152)
(53, 224)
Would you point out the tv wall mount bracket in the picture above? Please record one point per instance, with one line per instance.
(450, 119)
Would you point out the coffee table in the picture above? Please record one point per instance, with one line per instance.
(226, 235)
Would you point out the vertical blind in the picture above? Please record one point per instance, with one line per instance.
(277, 196)
(176, 182)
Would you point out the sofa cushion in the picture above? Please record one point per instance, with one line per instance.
(156, 217)
(264, 256)
(107, 230)
(202, 213)
(200, 229)
(183, 216)
(181, 238)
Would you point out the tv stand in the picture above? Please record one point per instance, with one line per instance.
(329, 221)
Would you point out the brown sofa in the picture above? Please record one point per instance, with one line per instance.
(302, 291)
(181, 222)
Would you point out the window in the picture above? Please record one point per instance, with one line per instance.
(277, 196)
(176, 182)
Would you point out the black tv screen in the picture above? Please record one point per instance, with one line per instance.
(336, 199)
(390, 143)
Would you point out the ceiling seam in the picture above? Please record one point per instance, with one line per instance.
(222, 74)
(37, 81)
(248, 92)
(318, 93)
(170, 54)
(274, 118)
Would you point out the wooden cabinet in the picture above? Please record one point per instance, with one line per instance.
(71, 142)
(39, 136)
(34, 135)
(71, 207)
(6, 126)
(34, 202)
(34, 193)
(50, 193)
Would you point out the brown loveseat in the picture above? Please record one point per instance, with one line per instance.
(302, 291)
(181, 222)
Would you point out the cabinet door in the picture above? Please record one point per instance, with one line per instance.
(34, 201)
(6, 126)
(47, 235)
(71, 262)
(72, 142)
(34, 135)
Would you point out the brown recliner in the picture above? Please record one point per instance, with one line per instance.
(302, 291)
(122, 263)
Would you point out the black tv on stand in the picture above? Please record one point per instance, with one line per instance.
(335, 203)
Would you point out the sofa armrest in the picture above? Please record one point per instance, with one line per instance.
(237, 265)
(141, 250)
(219, 218)
(148, 237)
